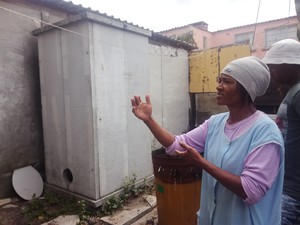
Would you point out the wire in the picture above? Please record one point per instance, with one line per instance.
(252, 46)
(41, 21)
(162, 51)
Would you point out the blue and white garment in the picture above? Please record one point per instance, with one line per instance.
(220, 206)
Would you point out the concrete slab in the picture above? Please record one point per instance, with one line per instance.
(136, 209)
(4, 201)
(150, 199)
(149, 219)
(64, 220)
(9, 206)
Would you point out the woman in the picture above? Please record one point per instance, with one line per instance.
(243, 150)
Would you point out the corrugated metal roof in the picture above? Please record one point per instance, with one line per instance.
(196, 24)
(95, 18)
(71, 8)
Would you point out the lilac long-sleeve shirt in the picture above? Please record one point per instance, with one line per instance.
(260, 166)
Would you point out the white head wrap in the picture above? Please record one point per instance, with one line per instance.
(285, 51)
(251, 73)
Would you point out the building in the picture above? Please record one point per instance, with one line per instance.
(260, 36)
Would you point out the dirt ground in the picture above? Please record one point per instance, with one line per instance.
(13, 216)
(51, 203)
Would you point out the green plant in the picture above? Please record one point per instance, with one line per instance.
(54, 204)
(111, 205)
(187, 37)
(51, 205)
(130, 191)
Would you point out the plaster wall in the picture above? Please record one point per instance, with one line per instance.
(21, 142)
(198, 34)
(21, 129)
(169, 79)
(225, 37)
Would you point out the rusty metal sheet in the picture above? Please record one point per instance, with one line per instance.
(227, 54)
(205, 66)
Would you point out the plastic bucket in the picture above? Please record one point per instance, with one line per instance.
(178, 187)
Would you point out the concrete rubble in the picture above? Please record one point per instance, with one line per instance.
(4, 201)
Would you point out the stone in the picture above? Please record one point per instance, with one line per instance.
(64, 220)
(9, 206)
(4, 201)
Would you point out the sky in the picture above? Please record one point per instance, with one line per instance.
(160, 15)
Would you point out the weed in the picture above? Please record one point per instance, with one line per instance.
(53, 204)
(130, 191)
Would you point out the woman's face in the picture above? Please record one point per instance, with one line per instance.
(227, 91)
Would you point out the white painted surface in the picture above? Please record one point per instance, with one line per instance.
(27, 182)
(86, 86)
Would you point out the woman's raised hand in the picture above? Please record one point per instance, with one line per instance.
(142, 110)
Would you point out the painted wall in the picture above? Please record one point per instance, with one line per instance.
(169, 79)
(225, 37)
(198, 35)
(21, 136)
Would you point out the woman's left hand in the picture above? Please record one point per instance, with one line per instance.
(190, 154)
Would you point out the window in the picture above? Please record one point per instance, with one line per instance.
(244, 38)
(204, 42)
(279, 33)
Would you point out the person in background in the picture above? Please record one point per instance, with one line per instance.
(283, 59)
(243, 162)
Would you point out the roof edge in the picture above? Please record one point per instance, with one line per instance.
(98, 18)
